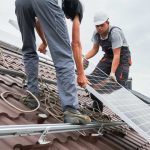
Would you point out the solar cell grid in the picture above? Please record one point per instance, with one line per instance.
(126, 105)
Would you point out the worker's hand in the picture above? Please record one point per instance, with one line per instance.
(82, 81)
(112, 76)
(42, 48)
(85, 63)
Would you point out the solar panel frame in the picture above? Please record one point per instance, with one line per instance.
(122, 102)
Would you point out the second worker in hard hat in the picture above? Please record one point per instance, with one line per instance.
(117, 59)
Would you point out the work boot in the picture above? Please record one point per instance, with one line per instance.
(29, 101)
(73, 116)
(97, 104)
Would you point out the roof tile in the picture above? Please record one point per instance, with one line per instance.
(114, 138)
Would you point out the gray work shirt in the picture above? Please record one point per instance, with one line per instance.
(117, 38)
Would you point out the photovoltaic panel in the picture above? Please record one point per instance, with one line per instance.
(127, 106)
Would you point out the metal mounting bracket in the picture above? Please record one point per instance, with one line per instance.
(99, 132)
(42, 139)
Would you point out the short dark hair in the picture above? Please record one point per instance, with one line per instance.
(72, 8)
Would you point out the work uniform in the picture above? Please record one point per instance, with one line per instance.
(52, 20)
(114, 39)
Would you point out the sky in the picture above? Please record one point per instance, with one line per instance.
(132, 16)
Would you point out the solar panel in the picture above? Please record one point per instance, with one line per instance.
(127, 106)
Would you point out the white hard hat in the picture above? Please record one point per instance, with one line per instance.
(100, 18)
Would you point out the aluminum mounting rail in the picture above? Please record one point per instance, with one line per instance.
(37, 129)
(23, 75)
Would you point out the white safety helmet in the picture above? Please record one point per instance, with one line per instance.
(100, 18)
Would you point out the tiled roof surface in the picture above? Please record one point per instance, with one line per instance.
(114, 138)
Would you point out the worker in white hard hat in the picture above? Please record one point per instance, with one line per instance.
(117, 59)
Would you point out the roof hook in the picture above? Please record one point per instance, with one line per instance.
(42, 139)
(99, 132)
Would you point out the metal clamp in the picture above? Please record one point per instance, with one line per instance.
(99, 132)
(42, 139)
(82, 133)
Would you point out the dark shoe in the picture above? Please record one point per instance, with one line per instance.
(73, 116)
(97, 104)
(29, 101)
(42, 96)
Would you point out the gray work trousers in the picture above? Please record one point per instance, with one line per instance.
(53, 23)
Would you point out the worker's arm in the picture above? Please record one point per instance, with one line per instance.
(116, 60)
(115, 63)
(90, 54)
(43, 45)
(93, 51)
(77, 52)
